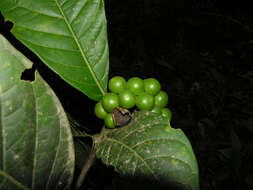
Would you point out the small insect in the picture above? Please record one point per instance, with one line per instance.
(121, 116)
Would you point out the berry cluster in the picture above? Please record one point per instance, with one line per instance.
(145, 94)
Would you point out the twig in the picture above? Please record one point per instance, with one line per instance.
(86, 167)
(89, 162)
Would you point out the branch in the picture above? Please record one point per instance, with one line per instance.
(86, 167)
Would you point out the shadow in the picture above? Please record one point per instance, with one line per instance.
(145, 182)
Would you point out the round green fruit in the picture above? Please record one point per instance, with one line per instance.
(110, 101)
(166, 113)
(109, 121)
(152, 86)
(127, 99)
(145, 101)
(117, 84)
(161, 99)
(156, 109)
(100, 111)
(135, 85)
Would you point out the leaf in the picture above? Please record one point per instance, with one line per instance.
(36, 146)
(70, 36)
(149, 148)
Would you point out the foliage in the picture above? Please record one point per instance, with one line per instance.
(36, 143)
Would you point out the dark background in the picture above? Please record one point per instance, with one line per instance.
(202, 53)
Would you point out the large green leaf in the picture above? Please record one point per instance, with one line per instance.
(149, 148)
(70, 36)
(36, 147)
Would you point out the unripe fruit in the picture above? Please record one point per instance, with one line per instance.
(135, 85)
(152, 86)
(109, 121)
(145, 101)
(166, 113)
(161, 99)
(126, 99)
(156, 109)
(100, 111)
(110, 101)
(117, 84)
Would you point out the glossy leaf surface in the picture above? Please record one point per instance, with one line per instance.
(36, 147)
(70, 37)
(149, 148)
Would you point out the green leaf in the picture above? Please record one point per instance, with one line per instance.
(70, 36)
(149, 148)
(36, 146)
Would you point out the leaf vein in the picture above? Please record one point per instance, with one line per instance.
(157, 139)
(78, 14)
(58, 17)
(12, 179)
(117, 159)
(54, 48)
(81, 50)
(91, 23)
(168, 156)
(35, 139)
(100, 58)
(135, 153)
(56, 154)
(138, 129)
(3, 134)
(45, 32)
(108, 152)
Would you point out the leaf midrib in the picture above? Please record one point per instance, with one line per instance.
(80, 48)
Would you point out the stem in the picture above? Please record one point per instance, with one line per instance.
(91, 158)
(86, 167)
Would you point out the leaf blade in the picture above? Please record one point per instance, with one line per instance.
(69, 36)
(36, 141)
(148, 147)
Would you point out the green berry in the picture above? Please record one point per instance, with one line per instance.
(152, 86)
(156, 109)
(166, 113)
(161, 99)
(109, 121)
(126, 99)
(145, 101)
(117, 84)
(135, 85)
(110, 101)
(100, 111)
